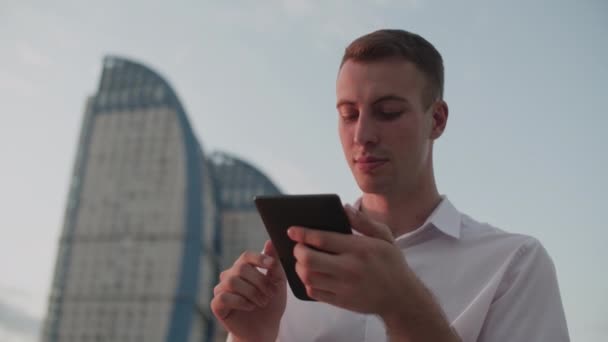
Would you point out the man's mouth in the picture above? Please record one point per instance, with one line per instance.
(369, 163)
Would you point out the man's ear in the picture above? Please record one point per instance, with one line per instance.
(440, 119)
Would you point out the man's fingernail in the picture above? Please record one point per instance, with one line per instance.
(267, 261)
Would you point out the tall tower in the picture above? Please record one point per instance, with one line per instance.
(142, 241)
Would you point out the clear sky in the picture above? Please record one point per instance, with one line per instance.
(524, 147)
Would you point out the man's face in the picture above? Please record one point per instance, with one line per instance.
(385, 128)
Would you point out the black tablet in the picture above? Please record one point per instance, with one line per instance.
(323, 211)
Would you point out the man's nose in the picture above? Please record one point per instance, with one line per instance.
(366, 132)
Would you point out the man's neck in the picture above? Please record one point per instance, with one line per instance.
(403, 212)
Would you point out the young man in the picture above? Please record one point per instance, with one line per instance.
(419, 270)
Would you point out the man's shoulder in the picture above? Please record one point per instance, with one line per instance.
(512, 253)
(489, 236)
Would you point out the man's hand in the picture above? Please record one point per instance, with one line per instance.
(248, 303)
(368, 274)
(361, 273)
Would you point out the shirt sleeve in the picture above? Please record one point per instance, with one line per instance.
(527, 305)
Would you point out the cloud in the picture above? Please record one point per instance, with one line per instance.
(299, 6)
(336, 20)
(8, 336)
(13, 291)
(14, 84)
(15, 321)
(284, 172)
(287, 173)
(29, 55)
(182, 53)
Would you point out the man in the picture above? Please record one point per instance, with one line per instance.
(418, 270)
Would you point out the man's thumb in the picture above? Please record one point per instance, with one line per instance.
(276, 271)
(366, 226)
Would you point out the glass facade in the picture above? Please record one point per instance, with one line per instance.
(150, 220)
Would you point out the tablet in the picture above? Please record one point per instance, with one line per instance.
(321, 211)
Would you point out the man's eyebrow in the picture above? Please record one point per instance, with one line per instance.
(344, 102)
(376, 101)
(390, 98)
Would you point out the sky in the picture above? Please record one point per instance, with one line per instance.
(524, 147)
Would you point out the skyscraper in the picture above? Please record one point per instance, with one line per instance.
(150, 219)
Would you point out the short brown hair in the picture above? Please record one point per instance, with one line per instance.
(403, 44)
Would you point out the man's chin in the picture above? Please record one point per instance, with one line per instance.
(371, 186)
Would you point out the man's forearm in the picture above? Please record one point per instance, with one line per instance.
(416, 316)
(421, 328)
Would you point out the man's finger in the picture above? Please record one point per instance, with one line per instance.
(315, 260)
(316, 280)
(366, 226)
(252, 276)
(330, 242)
(321, 295)
(256, 259)
(224, 303)
(276, 272)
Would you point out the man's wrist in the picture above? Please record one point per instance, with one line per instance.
(423, 326)
(416, 316)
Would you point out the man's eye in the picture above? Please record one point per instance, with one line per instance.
(349, 116)
(389, 115)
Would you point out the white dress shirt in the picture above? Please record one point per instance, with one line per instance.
(492, 286)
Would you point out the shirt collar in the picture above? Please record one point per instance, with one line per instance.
(445, 218)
